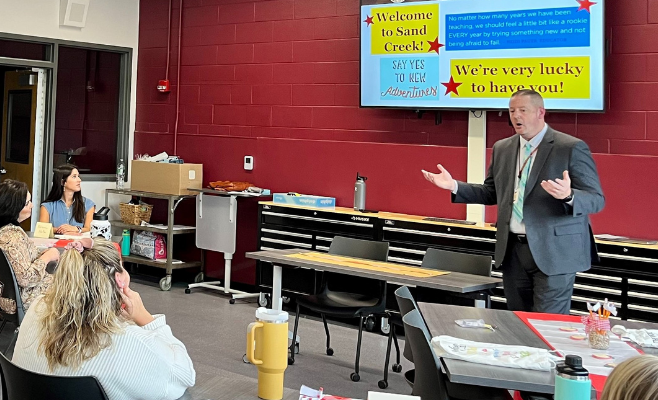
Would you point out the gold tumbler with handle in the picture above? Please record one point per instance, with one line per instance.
(267, 349)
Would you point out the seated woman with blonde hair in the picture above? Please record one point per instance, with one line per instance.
(91, 323)
(633, 379)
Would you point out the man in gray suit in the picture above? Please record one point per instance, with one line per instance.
(545, 184)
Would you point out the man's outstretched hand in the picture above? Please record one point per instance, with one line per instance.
(443, 179)
(558, 188)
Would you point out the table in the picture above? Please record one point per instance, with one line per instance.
(216, 223)
(440, 320)
(45, 244)
(454, 282)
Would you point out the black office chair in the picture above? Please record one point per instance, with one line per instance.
(394, 319)
(338, 304)
(445, 260)
(430, 382)
(474, 264)
(9, 289)
(21, 384)
(406, 303)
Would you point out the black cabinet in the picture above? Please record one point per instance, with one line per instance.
(626, 274)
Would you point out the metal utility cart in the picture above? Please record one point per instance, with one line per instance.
(170, 232)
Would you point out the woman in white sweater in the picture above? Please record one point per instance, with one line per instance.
(132, 353)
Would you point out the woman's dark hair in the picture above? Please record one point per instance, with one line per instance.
(60, 175)
(13, 195)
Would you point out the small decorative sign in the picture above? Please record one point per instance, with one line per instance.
(44, 230)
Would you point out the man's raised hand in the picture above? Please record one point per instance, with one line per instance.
(443, 179)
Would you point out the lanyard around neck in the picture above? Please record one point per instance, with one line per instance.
(526, 161)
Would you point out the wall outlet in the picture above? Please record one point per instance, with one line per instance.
(248, 163)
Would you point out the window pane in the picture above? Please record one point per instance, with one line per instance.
(26, 50)
(86, 124)
(19, 114)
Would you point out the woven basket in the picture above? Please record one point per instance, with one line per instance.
(134, 214)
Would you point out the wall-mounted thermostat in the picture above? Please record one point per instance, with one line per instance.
(248, 163)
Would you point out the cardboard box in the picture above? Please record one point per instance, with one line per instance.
(165, 178)
(328, 203)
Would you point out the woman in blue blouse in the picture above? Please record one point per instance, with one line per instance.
(65, 208)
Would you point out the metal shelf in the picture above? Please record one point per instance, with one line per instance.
(172, 204)
(122, 225)
(152, 263)
(137, 193)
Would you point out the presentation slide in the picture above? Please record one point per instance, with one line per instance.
(473, 54)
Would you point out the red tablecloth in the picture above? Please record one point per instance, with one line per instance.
(598, 381)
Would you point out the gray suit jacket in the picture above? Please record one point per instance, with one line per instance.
(559, 235)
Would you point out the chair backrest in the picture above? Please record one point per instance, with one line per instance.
(405, 300)
(429, 382)
(474, 264)
(22, 384)
(10, 290)
(406, 303)
(359, 248)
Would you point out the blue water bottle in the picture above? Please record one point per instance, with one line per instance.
(125, 243)
(572, 380)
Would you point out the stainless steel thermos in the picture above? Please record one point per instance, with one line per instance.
(360, 193)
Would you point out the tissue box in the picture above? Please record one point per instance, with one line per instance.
(165, 178)
(328, 203)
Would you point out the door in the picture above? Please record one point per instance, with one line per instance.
(18, 127)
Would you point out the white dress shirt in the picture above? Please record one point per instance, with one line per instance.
(516, 226)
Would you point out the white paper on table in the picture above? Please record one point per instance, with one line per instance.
(500, 355)
(84, 235)
(641, 337)
(619, 350)
(306, 393)
(390, 396)
(43, 244)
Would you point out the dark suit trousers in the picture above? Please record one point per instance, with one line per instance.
(527, 288)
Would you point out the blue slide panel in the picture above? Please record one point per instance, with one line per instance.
(520, 29)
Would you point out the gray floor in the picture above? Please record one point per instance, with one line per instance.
(215, 334)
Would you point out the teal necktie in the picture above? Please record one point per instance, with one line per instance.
(517, 210)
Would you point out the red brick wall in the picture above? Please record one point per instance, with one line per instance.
(279, 80)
